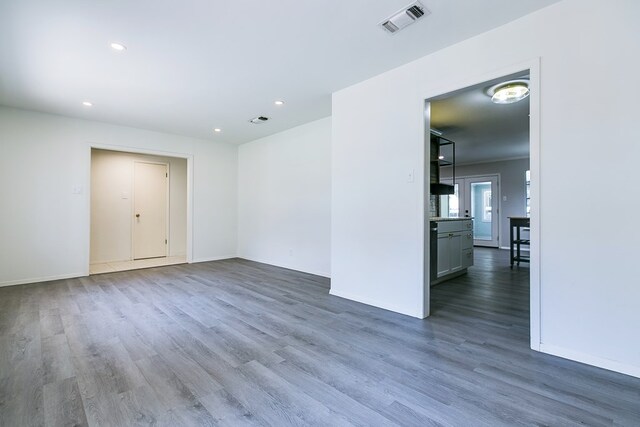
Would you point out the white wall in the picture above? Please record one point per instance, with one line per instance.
(284, 198)
(45, 161)
(112, 204)
(589, 295)
(178, 183)
(512, 185)
(376, 213)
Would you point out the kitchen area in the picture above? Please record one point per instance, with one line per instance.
(451, 237)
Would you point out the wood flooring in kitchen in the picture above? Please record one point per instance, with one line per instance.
(236, 343)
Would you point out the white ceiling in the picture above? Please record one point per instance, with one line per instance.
(483, 131)
(194, 65)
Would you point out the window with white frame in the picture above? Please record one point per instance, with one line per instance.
(527, 180)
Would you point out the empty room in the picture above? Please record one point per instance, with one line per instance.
(318, 213)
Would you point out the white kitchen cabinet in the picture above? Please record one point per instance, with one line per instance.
(467, 258)
(454, 248)
(467, 246)
(449, 253)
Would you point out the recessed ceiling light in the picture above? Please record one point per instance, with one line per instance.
(509, 92)
(279, 102)
(217, 130)
(87, 104)
(440, 157)
(118, 46)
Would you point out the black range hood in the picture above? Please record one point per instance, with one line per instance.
(440, 189)
(438, 160)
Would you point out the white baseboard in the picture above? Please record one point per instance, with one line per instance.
(289, 267)
(218, 258)
(600, 362)
(42, 279)
(108, 261)
(378, 304)
(184, 254)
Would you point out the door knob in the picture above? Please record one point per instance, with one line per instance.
(137, 215)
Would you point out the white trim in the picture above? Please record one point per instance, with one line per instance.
(374, 303)
(600, 362)
(189, 244)
(217, 258)
(533, 66)
(42, 279)
(137, 150)
(424, 297)
(535, 287)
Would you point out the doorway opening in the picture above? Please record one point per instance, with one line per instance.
(481, 186)
(138, 211)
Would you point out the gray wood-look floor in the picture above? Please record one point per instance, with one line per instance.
(240, 343)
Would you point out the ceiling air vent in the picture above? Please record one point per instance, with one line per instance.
(258, 120)
(404, 17)
(416, 11)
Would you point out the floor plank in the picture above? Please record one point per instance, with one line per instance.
(240, 343)
(63, 404)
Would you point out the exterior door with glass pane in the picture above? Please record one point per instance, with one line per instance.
(476, 197)
(450, 205)
(481, 203)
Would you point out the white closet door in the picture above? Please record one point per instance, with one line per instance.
(150, 210)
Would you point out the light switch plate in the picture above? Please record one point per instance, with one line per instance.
(410, 176)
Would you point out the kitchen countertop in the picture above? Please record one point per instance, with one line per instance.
(442, 218)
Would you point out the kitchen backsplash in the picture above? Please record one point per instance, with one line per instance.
(434, 205)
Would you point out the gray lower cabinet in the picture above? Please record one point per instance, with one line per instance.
(455, 247)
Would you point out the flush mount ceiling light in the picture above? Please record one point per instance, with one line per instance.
(118, 46)
(509, 92)
(87, 104)
(279, 102)
(217, 130)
